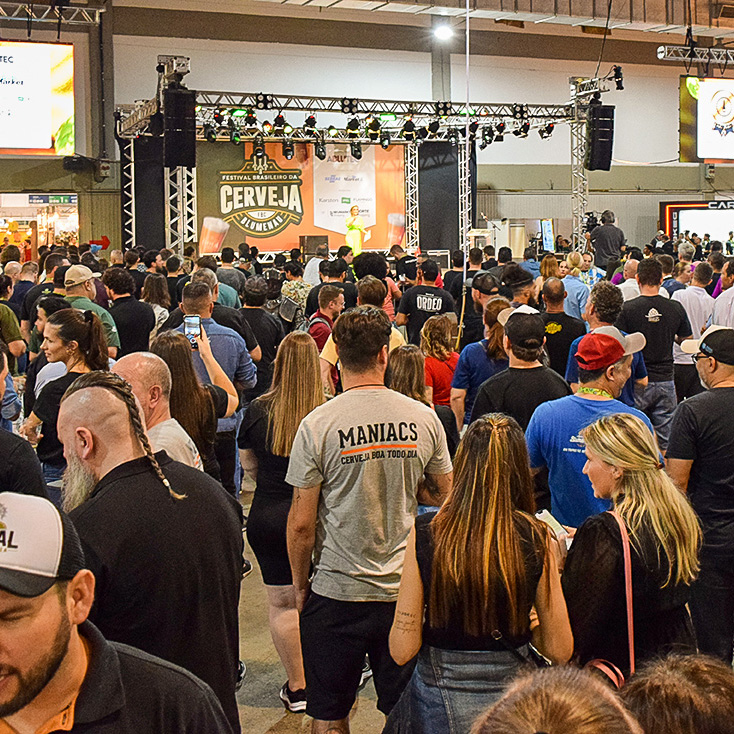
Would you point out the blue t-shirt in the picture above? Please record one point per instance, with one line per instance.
(639, 371)
(554, 440)
(577, 293)
(473, 368)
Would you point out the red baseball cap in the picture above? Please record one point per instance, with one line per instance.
(605, 346)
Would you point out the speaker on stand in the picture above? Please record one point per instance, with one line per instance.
(179, 127)
(599, 137)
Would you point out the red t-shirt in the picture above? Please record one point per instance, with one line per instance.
(439, 375)
(319, 330)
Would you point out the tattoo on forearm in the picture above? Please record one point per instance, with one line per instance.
(406, 622)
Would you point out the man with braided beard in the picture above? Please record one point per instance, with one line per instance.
(163, 540)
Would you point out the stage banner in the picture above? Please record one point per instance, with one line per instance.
(271, 201)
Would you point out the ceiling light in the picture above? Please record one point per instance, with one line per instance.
(443, 32)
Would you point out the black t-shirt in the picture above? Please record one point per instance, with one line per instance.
(407, 266)
(46, 408)
(607, 241)
(452, 282)
(134, 321)
(172, 283)
(711, 287)
(518, 392)
(452, 637)
(661, 320)
(27, 309)
(224, 316)
(350, 296)
(271, 469)
(560, 331)
(139, 277)
(702, 433)
(20, 470)
(268, 331)
(421, 302)
(168, 570)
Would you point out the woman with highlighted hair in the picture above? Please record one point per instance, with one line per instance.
(355, 231)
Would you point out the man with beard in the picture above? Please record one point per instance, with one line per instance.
(163, 540)
(700, 460)
(57, 671)
(522, 285)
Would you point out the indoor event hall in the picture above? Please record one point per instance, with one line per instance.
(367, 366)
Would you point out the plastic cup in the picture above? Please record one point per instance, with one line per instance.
(213, 232)
(395, 228)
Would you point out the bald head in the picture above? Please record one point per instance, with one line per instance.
(554, 291)
(150, 380)
(12, 270)
(630, 269)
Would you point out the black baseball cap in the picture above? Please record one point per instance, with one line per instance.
(38, 545)
(524, 326)
(486, 284)
(716, 342)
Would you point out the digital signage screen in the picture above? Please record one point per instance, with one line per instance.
(36, 98)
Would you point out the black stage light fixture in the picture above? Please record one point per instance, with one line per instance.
(258, 146)
(267, 127)
(499, 132)
(519, 111)
(320, 149)
(333, 131)
(263, 101)
(384, 139)
(487, 137)
(309, 124)
(210, 133)
(546, 131)
(218, 117)
(443, 109)
(473, 127)
(433, 127)
(522, 131)
(409, 130)
(250, 120)
(453, 136)
(421, 133)
(349, 106)
(281, 126)
(618, 77)
(288, 149)
(355, 148)
(353, 128)
(234, 134)
(373, 128)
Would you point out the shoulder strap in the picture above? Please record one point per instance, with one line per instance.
(628, 587)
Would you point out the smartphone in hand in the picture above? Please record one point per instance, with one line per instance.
(192, 329)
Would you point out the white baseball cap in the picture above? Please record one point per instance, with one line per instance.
(38, 545)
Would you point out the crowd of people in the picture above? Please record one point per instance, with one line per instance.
(502, 491)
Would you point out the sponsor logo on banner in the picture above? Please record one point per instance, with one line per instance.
(262, 199)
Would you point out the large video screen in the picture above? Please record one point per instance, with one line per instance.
(706, 119)
(36, 98)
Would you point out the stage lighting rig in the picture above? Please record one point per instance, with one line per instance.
(319, 149)
(355, 148)
(218, 117)
(332, 132)
(309, 124)
(234, 134)
(258, 146)
(473, 127)
(519, 111)
(210, 133)
(409, 132)
(267, 127)
(443, 109)
(618, 77)
(353, 128)
(522, 130)
(250, 121)
(453, 136)
(280, 126)
(349, 106)
(384, 139)
(373, 128)
(288, 149)
(263, 101)
(433, 128)
(499, 132)
(546, 131)
(487, 137)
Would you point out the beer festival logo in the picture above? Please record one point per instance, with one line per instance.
(262, 199)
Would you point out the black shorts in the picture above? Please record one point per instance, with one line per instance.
(335, 637)
(266, 534)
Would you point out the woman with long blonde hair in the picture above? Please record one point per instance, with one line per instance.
(623, 465)
(441, 359)
(577, 292)
(477, 567)
(266, 438)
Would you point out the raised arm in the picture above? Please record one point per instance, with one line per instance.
(216, 374)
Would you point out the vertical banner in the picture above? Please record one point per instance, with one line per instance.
(271, 201)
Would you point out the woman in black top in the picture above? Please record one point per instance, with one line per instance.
(266, 438)
(77, 339)
(473, 572)
(623, 465)
(195, 406)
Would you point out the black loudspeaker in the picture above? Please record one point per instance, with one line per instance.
(179, 128)
(309, 242)
(150, 205)
(599, 138)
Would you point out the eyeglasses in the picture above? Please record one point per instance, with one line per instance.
(698, 357)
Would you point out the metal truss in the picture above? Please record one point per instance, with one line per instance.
(463, 158)
(127, 191)
(412, 221)
(180, 195)
(579, 181)
(696, 54)
(44, 13)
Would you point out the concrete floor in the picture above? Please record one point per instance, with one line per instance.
(261, 711)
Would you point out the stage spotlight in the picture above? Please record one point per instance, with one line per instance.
(310, 123)
(453, 135)
(332, 131)
(258, 146)
(373, 128)
(473, 127)
(443, 32)
(234, 134)
(499, 131)
(384, 139)
(210, 133)
(433, 127)
(353, 128)
(263, 101)
(547, 131)
(522, 131)
(519, 111)
(356, 150)
(218, 117)
(250, 120)
(421, 133)
(349, 106)
(280, 125)
(443, 109)
(487, 137)
(320, 149)
(288, 149)
(618, 77)
(409, 130)
(238, 113)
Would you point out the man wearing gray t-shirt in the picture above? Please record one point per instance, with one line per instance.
(359, 466)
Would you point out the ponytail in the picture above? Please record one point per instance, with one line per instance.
(86, 330)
